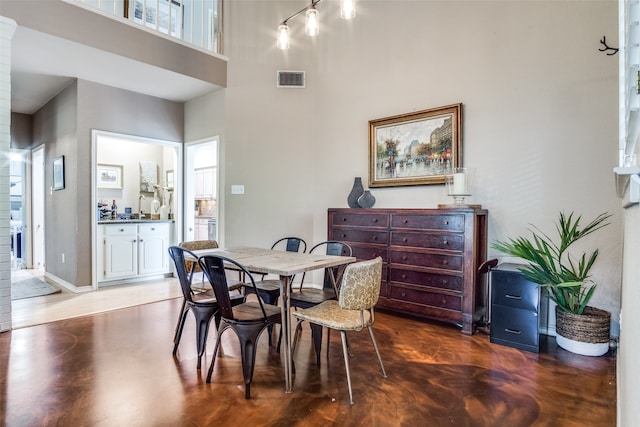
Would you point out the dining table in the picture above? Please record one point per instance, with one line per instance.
(285, 265)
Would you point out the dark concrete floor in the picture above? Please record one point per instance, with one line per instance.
(116, 369)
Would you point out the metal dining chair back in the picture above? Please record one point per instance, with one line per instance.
(203, 305)
(248, 320)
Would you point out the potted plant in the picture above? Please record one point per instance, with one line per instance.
(580, 328)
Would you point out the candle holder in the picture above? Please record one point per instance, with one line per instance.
(457, 182)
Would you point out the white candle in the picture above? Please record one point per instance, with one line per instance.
(459, 184)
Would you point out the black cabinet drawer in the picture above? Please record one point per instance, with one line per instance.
(511, 289)
(515, 327)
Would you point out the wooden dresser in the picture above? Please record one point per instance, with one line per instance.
(430, 258)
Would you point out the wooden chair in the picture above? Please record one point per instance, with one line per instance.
(353, 311)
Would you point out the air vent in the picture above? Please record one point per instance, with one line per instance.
(290, 78)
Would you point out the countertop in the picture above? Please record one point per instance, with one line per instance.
(133, 221)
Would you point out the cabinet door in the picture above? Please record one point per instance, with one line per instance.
(209, 183)
(153, 244)
(120, 256)
(198, 184)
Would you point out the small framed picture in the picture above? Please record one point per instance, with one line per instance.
(109, 176)
(58, 173)
(170, 180)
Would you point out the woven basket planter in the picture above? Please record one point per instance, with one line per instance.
(586, 333)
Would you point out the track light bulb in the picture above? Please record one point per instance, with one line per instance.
(312, 26)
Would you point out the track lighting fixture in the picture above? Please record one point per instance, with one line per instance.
(312, 20)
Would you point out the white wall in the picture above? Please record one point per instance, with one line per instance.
(539, 115)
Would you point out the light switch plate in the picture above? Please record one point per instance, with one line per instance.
(237, 189)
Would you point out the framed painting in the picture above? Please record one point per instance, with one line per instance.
(417, 148)
(58, 173)
(109, 176)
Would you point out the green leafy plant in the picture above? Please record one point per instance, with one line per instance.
(551, 265)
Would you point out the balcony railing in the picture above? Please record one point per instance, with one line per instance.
(197, 22)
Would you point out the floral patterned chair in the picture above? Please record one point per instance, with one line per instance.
(353, 311)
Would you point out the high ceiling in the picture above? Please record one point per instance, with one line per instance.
(42, 65)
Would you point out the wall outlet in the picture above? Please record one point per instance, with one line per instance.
(237, 189)
(63, 258)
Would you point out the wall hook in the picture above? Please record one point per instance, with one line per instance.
(610, 50)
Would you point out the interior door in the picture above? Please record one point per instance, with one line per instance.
(201, 155)
(37, 208)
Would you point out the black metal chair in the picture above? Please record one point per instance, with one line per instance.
(248, 320)
(307, 296)
(203, 304)
(269, 289)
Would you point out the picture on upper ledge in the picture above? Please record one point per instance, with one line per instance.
(416, 148)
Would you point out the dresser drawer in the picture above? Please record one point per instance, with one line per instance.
(446, 222)
(370, 252)
(361, 235)
(441, 261)
(511, 289)
(515, 326)
(424, 297)
(451, 242)
(443, 281)
(161, 228)
(361, 219)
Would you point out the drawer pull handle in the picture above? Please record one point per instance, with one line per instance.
(344, 219)
(445, 242)
(141, 240)
(344, 236)
(153, 229)
(375, 220)
(403, 294)
(512, 331)
(445, 262)
(122, 230)
(404, 258)
(446, 223)
(406, 221)
(375, 237)
(404, 276)
(518, 297)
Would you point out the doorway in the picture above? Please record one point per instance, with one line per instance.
(201, 190)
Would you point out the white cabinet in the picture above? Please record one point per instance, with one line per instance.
(202, 229)
(120, 251)
(205, 183)
(153, 245)
(133, 250)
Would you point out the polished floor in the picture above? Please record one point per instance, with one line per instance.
(116, 369)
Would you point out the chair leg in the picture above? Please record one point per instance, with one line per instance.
(248, 336)
(343, 334)
(180, 327)
(221, 329)
(203, 318)
(316, 335)
(375, 346)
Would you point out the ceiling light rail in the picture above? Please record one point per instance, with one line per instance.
(312, 20)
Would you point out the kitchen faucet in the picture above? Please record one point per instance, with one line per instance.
(140, 199)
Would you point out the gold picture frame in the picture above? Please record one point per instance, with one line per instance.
(417, 148)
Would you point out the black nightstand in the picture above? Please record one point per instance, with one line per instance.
(518, 311)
